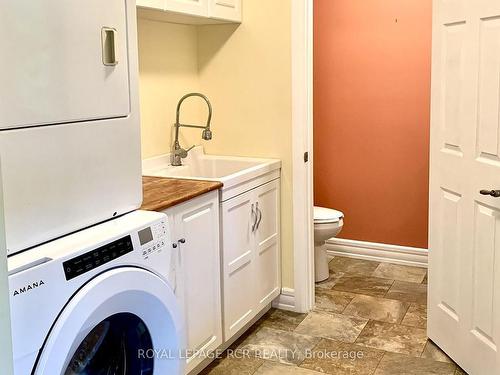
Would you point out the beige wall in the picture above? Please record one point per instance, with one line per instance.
(246, 72)
(168, 69)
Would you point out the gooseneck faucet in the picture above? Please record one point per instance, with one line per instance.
(178, 153)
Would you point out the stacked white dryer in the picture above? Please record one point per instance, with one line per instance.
(69, 116)
(83, 301)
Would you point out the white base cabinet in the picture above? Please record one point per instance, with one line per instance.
(195, 236)
(191, 11)
(250, 254)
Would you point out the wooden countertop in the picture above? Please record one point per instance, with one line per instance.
(161, 193)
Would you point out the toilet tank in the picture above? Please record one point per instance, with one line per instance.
(69, 116)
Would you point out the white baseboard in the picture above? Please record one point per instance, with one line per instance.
(410, 256)
(286, 300)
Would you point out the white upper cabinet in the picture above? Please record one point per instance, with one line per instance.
(225, 9)
(153, 4)
(191, 11)
(63, 63)
(191, 7)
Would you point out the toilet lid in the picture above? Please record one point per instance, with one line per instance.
(327, 215)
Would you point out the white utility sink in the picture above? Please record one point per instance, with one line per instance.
(238, 174)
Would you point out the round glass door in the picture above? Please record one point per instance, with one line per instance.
(115, 325)
(114, 347)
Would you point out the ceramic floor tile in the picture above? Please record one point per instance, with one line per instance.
(372, 286)
(375, 308)
(398, 364)
(233, 366)
(416, 316)
(333, 357)
(332, 326)
(271, 368)
(393, 338)
(279, 346)
(281, 319)
(333, 301)
(330, 282)
(409, 292)
(432, 351)
(399, 272)
(353, 266)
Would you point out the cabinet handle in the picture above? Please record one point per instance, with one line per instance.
(493, 193)
(108, 40)
(253, 218)
(182, 240)
(174, 245)
(259, 212)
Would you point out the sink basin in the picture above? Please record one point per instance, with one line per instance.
(238, 174)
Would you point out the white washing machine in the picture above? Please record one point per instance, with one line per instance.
(99, 301)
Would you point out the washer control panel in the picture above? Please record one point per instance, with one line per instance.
(97, 257)
(153, 239)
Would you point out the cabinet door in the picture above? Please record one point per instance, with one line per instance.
(66, 61)
(191, 7)
(197, 230)
(229, 10)
(267, 236)
(153, 4)
(237, 258)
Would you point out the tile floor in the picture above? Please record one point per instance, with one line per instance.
(370, 319)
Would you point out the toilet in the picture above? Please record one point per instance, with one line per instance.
(327, 224)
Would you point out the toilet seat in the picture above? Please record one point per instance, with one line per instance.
(324, 215)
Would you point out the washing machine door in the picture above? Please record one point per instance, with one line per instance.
(125, 321)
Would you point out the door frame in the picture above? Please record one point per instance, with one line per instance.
(5, 330)
(302, 141)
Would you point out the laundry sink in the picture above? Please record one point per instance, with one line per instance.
(238, 174)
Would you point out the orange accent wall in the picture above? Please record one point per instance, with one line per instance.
(372, 70)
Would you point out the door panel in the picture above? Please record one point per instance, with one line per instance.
(267, 260)
(451, 217)
(489, 91)
(487, 230)
(453, 72)
(53, 70)
(238, 262)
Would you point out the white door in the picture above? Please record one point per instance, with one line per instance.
(62, 61)
(464, 266)
(239, 280)
(267, 236)
(197, 231)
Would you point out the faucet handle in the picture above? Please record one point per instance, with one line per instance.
(183, 153)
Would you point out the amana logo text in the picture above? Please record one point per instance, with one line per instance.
(29, 287)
